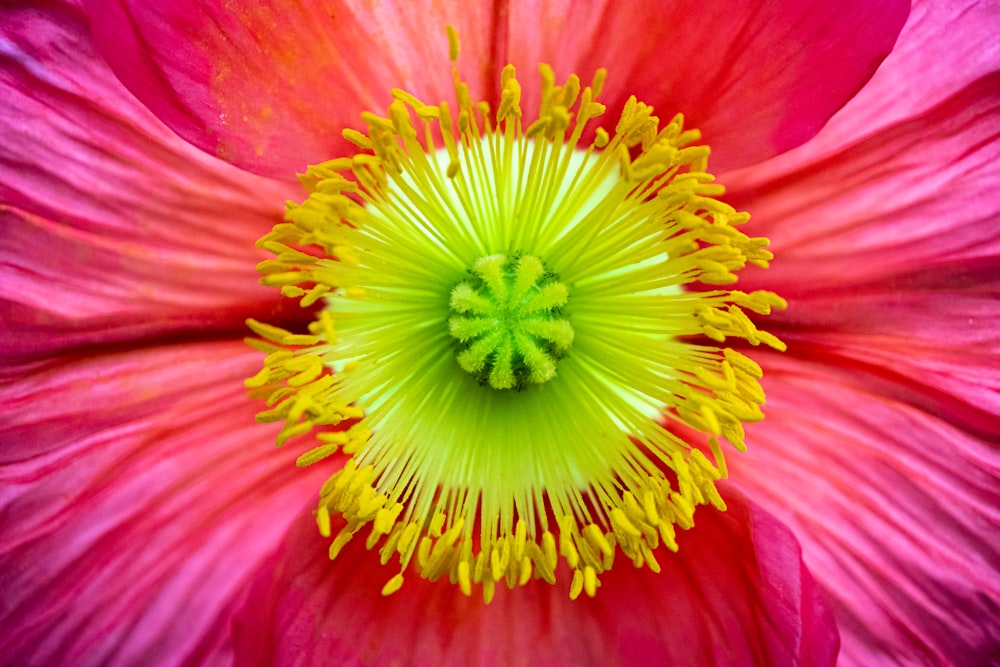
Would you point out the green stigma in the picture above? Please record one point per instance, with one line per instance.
(509, 323)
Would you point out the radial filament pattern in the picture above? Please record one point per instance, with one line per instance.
(465, 253)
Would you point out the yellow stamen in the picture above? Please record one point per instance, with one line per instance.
(505, 327)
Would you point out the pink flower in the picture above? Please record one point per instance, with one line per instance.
(145, 517)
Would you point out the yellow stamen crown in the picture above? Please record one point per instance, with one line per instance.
(504, 330)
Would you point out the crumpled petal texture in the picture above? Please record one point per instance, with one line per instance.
(131, 507)
(897, 509)
(704, 608)
(114, 228)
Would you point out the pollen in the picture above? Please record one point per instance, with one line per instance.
(513, 313)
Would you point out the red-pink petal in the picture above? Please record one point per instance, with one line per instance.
(735, 594)
(111, 222)
(897, 510)
(137, 496)
(270, 87)
(757, 78)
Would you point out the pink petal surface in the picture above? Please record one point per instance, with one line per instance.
(270, 85)
(915, 195)
(880, 443)
(889, 253)
(111, 222)
(735, 594)
(897, 509)
(931, 340)
(137, 495)
(756, 77)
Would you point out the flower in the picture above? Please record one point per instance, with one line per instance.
(137, 505)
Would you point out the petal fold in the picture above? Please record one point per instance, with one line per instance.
(916, 194)
(757, 78)
(943, 48)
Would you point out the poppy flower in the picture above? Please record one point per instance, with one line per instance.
(145, 514)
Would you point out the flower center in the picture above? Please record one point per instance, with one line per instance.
(464, 253)
(508, 322)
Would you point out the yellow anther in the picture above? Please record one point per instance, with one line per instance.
(576, 586)
(406, 540)
(385, 239)
(596, 537)
(598, 82)
(623, 525)
(525, 574)
(260, 379)
(649, 558)
(452, 42)
(268, 331)
(496, 569)
(357, 138)
(393, 585)
(316, 454)
(601, 138)
(323, 520)
(339, 542)
(290, 431)
(649, 506)
(464, 578)
(668, 534)
(549, 550)
(437, 523)
(590, 581)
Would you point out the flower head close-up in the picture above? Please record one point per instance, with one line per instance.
(648, 333)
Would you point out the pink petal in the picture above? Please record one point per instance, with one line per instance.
(888, 248)
(111, 222)
(757, 78)
(897, 509)
(735, 594)
(943, 48)
(930, 339)
(270, 87)
(879, 443)
(137, 495)
(918, 194)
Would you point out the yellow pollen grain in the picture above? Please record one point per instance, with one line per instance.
(452, 42)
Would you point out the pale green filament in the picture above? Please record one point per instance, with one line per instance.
(509, 324)
(465, 250)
